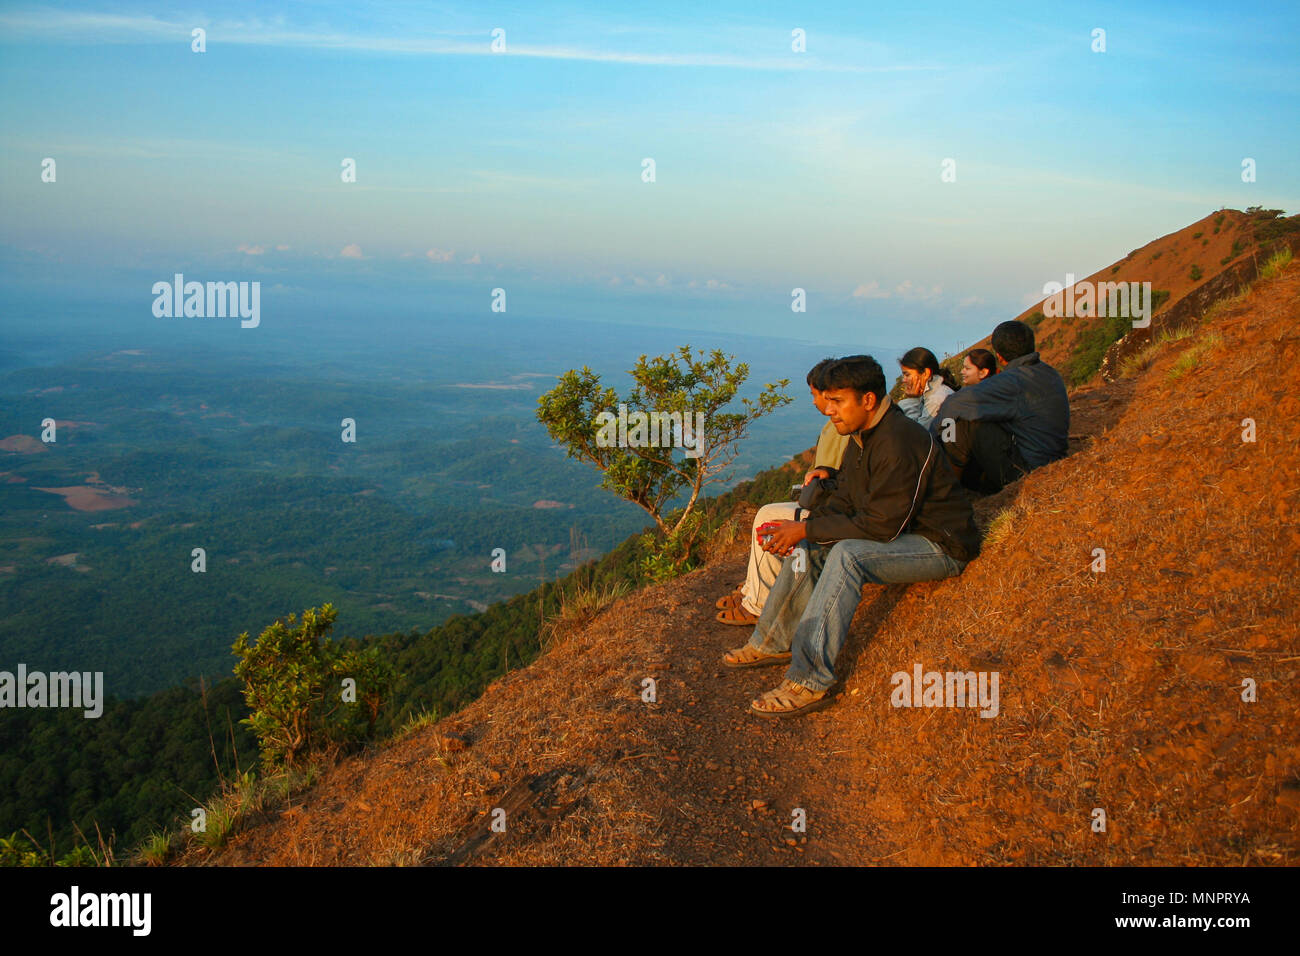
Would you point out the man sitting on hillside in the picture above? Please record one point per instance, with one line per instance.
(1009, 424)
(896, 515)
(745, 604)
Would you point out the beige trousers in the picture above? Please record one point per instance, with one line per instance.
(763, 567)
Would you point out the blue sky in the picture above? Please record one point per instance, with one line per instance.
(522, 169)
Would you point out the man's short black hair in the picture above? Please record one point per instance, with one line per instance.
(1013, 339)
(861, 373)
(817, 374)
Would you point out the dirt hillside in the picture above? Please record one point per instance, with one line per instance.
(1197, 262)
(1120, 690)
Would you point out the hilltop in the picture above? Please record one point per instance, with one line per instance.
(1187, 271)
(1121, 689)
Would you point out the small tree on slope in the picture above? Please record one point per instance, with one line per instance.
(644, 458)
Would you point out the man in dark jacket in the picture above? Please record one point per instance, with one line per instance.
(1010, 423)
(897, 515)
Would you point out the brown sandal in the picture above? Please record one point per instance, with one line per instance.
(731, 600)
(736, 615)
(788, 700)
(748, 657)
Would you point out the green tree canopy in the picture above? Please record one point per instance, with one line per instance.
(683, 394)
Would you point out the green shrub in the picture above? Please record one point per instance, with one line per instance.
(1268, 228)
(296, 683)
(21, 851)
(1092, 344)
(1196, 273)
(1237, 247)
(649, 472)
(669, 555)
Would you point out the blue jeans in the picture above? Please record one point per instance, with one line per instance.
(808, 612)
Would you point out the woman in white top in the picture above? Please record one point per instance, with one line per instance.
(925, 385)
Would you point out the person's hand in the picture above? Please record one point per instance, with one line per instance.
(785, 535)
(914, 382)
(816, 473)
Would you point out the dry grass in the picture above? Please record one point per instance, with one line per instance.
(1142, 360)
(1003, 523)
(732, 537)
(578, 607)
(1276, 263)
(1227, 304)
(1192, 357)
(157, 849)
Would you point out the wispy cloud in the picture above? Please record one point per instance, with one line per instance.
(870, 290)
(904, 290)
(157, 149)
(76, 26)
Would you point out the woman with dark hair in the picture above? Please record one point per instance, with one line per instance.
(978, 365)
(925, 385)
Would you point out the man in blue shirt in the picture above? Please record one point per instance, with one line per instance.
(1010, 423)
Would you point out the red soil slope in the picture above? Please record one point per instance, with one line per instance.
(1120, 690)
(1165, 262)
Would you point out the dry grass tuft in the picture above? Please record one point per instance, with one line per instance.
(1276, 263)
(1192, 357)
(579, 607)
(1142, 360)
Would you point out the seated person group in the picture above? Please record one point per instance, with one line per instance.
(888, 499)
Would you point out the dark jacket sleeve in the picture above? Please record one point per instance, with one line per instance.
(996, 399)
(891, 490)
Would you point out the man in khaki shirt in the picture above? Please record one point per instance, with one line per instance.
(745, 604)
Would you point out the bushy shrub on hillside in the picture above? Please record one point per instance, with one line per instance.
(306, 692)
(1092, 344)
(1269, 226)
(1237, 247)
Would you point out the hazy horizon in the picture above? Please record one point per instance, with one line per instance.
(775, 169)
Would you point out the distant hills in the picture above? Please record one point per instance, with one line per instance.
(1153, 690)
